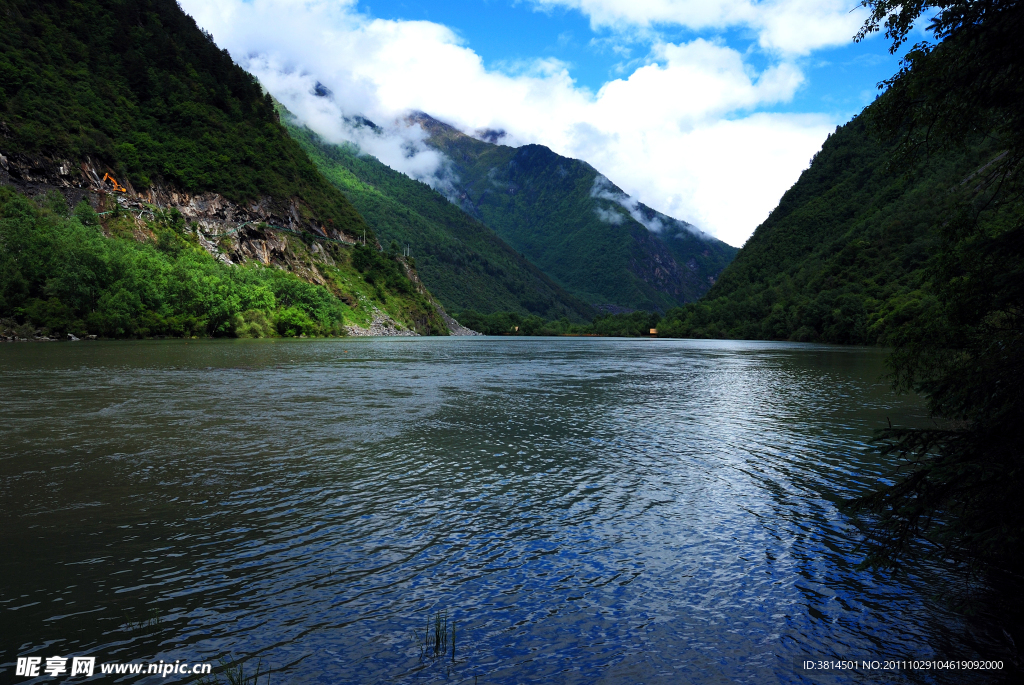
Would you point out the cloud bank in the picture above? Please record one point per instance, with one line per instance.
(681, 133)
(605, 190)
(789, 27)
(392, 141)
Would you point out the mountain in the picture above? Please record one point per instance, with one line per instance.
(137, 88)
(842, 258)
(217, 223)
(577, 226)
(462, 261)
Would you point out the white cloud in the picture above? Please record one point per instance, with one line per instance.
(680, 133)
(746, 166)
(609, 216)
(604, 189)
(792, 27)
(400, 146)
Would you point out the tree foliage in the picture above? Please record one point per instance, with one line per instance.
(959, 482)
(137, 87)
(964, 83)
(59, 273)
(627, 325)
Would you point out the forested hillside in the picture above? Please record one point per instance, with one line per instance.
(907, 229)
(75, 272)
(571, 222)
(135, 86)
(842, 257)
(463, 262)
(224, 226)
(954, 492)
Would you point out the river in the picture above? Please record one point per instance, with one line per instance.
(584, 510)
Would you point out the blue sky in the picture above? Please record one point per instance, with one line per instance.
(707, 110)
(505, 33)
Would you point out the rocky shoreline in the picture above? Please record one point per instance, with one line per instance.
(454, 327)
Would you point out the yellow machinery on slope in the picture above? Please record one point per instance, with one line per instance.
(119, 188)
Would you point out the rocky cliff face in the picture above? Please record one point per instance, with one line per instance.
(231, 232)
(36, 174)
(652, 262)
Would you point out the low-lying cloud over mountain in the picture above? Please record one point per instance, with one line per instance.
(394, 141)
(681, 133)
(605, 190)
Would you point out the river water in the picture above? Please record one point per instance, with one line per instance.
(584, 510)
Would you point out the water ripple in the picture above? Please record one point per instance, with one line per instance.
(585, 510)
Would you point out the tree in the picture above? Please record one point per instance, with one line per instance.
(966, 82)
(959, 483)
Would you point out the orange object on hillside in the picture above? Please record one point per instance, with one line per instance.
(119, 188)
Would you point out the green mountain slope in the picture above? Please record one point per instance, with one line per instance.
(462, 261)
(573, 223)
(81, 274)
(841, 259)
(226, 227)
(137, 88)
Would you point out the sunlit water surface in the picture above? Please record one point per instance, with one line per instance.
(614, 511)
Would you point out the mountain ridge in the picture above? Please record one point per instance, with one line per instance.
(464, 263)
(217, 224)
(843, 257)
(575, 227)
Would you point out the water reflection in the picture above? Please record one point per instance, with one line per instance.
(586, 510)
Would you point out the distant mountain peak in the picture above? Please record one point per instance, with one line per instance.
(438, 129)
(574, 223)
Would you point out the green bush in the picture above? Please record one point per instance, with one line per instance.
(293, 322)
(58, 271)
(253, 323)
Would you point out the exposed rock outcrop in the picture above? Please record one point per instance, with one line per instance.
(381, 325)
(12, 331)
(35, 175)
(454, 327)
(231, 232)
